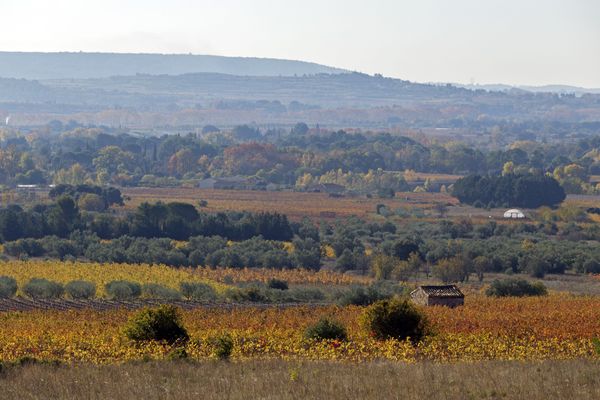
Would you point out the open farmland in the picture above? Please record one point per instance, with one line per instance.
(100, 274)
(295, 205)
(556, 327)
(293, 276)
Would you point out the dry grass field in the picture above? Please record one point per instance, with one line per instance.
(275, 379)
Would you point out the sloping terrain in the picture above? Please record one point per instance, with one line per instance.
(100, 65)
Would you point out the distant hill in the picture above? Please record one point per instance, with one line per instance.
(187, 90)
(349, 99)
(561, 89)
(102, 65)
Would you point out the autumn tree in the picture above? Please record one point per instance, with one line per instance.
(182, 162)
(112, 160)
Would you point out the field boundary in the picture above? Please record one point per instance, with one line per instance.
(25, 304)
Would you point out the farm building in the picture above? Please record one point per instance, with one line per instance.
(446, 295)
(514, 213)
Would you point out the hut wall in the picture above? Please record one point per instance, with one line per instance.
(420, 297)
(446, 301)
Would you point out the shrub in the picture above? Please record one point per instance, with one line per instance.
(38, 288)
(197, 291)
(80, 289)
(591, 267)
(178, 353)
(364, 296)
(295, 295)
(160, 323)
(91, 202)
(123, 290)
(223, 347)
(8, 287)
(396, 318)
(596, 343)
(156, 291)
(249, 294)
(326, 329)
(515, 287)
(277, 284)
(306, 294)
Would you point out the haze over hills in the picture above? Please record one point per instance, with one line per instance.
(561, 89)
(82, 65)
(187, 90)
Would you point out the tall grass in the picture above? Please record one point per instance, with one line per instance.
(276, 379)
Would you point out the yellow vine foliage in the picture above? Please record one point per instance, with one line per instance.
(554, 327)
(101, 274)
(294, 276)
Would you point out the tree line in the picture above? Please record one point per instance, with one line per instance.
(79, 155)
(530, 191)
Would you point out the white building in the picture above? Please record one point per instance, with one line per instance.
(514, 213)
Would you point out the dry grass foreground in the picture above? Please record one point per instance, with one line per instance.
(273, 379)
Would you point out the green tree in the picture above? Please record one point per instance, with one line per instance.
(112, 159)
(382, 266)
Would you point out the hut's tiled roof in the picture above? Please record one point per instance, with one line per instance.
(442, 291)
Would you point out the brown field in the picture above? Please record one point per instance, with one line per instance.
(422, 176)
(294, 204)
(582, 200)
(275, 379)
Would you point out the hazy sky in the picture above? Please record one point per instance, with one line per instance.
(484, 41)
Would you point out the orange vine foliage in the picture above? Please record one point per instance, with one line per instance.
(555, 327)
(294, 276)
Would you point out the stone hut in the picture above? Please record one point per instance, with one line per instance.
(446, 295)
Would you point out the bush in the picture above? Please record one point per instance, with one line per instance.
(249, 294)
(515, 287)
(223, 347)
(396, 318)
(295, 295)
(123, 290)
(364, 296)
(161, 323)
(8, 287)
(178, 353)
(91, 202)
(596, 343)
(80, 289)
(156, 291)
(306, 294)
(326, 329)
(277, 284)
(38, 288)
(197, 291)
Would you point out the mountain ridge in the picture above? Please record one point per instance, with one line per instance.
(90, 65)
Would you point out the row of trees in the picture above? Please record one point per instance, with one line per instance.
(173, 220)
(212, 251)
(530, 191)
(101, 156)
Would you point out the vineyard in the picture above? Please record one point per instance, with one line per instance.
(293, 276)
(555, 327)
(294, 204)
(219, 278)
(101, 274)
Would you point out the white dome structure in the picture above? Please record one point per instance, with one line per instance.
(514, 213)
